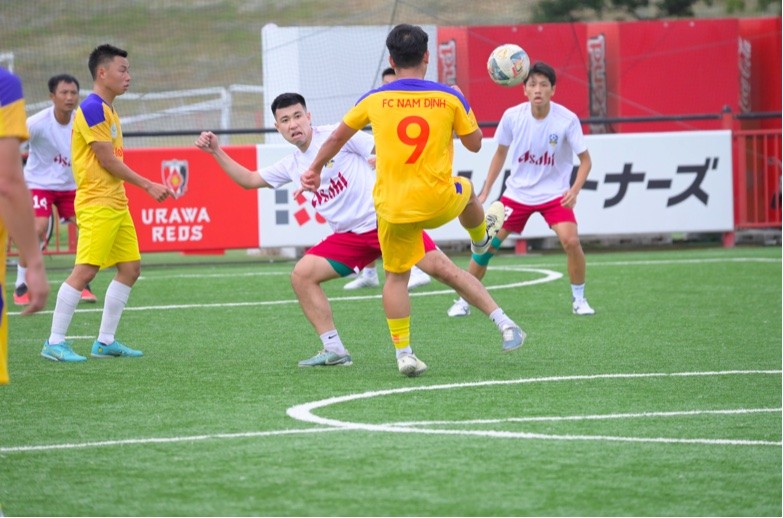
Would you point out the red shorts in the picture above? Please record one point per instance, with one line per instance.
(517, 214)
(356, 250)
(43, 201)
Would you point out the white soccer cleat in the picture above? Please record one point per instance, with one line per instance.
(365, 279)
(418, 278)
(411, 366)
(581, 307)
(495, 216)
(460, 308)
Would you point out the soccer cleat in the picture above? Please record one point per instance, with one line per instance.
(21, 297)
(328, 359)
(113, 350)
(513, 338)
(460, 308)
(418, 278)
(581, 307)
(61, 352)
(88, 295)
(496, 215)
(365, 279)
(411, 366)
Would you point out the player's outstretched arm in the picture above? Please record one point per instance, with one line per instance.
(104, 151)
(241, 175)
(311, 179)
(16, 211)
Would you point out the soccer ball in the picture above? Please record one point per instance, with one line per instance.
(508, 65)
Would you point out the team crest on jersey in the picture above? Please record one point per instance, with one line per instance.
(329, 164)
(175, 176)
(553, 139)
(113, 130)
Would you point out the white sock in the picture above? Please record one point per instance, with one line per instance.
(501, 320)
(21, 275)
(116, 297)
(369, 271)
(578, 291)
(67, 300)
(332, 342)
(405, 351)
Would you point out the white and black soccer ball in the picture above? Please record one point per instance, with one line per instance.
(508, 65)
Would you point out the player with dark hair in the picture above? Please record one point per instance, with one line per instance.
(413, 121)
(107, 235)
(527, 132)
(48, 172)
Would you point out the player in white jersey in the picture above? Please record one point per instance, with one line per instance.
(47, 171)
(345, 201)
(541, 137)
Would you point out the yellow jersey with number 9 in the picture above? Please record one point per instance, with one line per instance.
(413, 122)
(96, 121)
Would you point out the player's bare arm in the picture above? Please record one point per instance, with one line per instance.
(104, 151)
(498, 159)
(585, 164)
(472, 141)
(311, 179)
(241, 175)
(16, 211)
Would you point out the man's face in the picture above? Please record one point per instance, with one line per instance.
(293, 123)
(65, 97)
(388, 78)
(539, 90)
(115, 75)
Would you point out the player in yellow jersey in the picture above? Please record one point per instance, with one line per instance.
(16, 208)
(107, 236)
(413, 121)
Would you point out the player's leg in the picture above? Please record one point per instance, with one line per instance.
(63, 200)
(563, 223)
(44, 220)
(56, 347)
(121, 250)
(481, 225)
(402, 246)
(336, 256)
(418, 278)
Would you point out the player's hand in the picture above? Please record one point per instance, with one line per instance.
(311, 181)
(37, 286)
(207, 141)
(159, 191)
(569, 199)
(482, 198)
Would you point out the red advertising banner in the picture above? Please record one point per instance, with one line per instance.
(759, 79)
(210, 212)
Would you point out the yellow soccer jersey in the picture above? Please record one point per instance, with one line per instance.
(96, 121)
(413, 122)
(13, 123)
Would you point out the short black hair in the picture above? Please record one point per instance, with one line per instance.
(54, 81)
(101, 54)
(407, 45)
(389, 71)
(539, 67)
(287, 99)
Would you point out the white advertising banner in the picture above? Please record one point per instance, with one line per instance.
(639, 183)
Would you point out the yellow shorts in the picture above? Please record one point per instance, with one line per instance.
(106, 237)
(3, 311)
(401, 243)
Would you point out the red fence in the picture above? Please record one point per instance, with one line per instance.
(757, 178)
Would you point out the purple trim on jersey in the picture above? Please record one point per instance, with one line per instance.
(92, 108)
(418, 85)
(10, 88)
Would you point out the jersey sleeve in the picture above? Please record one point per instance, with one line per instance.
(357, 117)
(93, 123)
(13, 121)
(279, 173)
(575, 136)
(464, 119)
(504, 135)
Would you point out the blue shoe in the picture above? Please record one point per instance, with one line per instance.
(513, 338)
(327, 359)
(61, 352)
(113, 350)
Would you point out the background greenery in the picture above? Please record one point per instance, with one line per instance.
(201, 428)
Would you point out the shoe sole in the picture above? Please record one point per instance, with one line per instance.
(517, 346)
(56, 359)
(105, 356)
(458, 315)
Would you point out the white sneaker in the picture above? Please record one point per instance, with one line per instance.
(365, 279)
(460, 308)
(581, 307)
(495, 216)
(418, 278)
(411, 366)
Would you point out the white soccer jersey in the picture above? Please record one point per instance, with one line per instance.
(48, 165)
(540, 152)
(344, 199)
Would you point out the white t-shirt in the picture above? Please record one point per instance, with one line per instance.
(344, 199)
(48, 164)
(540, 152)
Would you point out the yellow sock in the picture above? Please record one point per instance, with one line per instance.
(400, 329)
(479, 233)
